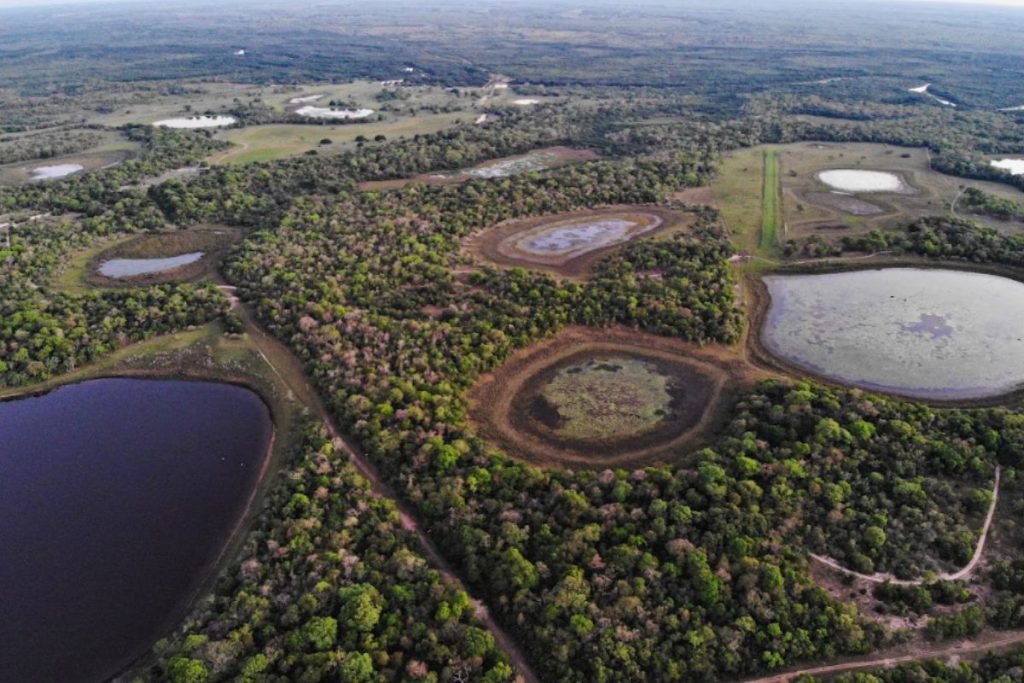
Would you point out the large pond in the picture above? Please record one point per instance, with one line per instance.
(927, 333)
(117, 497)
(855, 180)
(132, 267)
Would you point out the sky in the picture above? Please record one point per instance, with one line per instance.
(1001, 3)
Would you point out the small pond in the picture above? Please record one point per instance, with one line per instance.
(926, 333)
(1014, 166)
(854, 180)
(559, 241)
(117, 497)
(328, 113)
(132, 267)
(572, 238)
(55, 171)
(196, 122)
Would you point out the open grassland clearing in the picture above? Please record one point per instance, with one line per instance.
(277, 141)
(183, 99)
(812, 207)
(737, 191)
(771, 203)
(408, 96)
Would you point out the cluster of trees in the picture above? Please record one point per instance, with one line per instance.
(919, 599)
(51, 335)
(46, 144)
(946, 238)
(109, 195)
(330, 587)
(981, 202)
(886, 486)
(45, 332)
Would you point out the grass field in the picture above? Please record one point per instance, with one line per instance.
(803, 206)
(771, 203)
(277, 141)
(736, 191)
(73, 276)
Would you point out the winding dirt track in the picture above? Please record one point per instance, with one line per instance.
(960, 649)
(277, 354)
(882, 577)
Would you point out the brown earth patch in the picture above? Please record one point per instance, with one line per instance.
(491, 245)
(563, 156)
(723, 371)
(703, 196)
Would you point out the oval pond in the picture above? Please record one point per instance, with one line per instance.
(925, 333)
(856, 181)
(117, 498)
(131, 267)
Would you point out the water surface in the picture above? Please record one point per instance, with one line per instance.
(116, 499)
(130, 267)
(55, 171)
(928, 333)
(197, 122)
(855, 180)
(328, 113)
(1013, 166)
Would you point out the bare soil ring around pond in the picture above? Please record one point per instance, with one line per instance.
(591, 398)
(568, 244)
(171, 247)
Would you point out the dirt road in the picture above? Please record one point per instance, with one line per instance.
(961, 649)
(882, 577)
(288, 368)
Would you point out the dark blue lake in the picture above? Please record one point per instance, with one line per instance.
(117, 498)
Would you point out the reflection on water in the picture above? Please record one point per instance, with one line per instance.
(130, 267)
(117, 496)
(942, 334)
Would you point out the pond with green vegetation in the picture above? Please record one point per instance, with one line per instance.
(927, 333)
(607, 398)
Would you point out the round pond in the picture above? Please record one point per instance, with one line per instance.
(596, 402)
(117, 497)
(925, 333)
